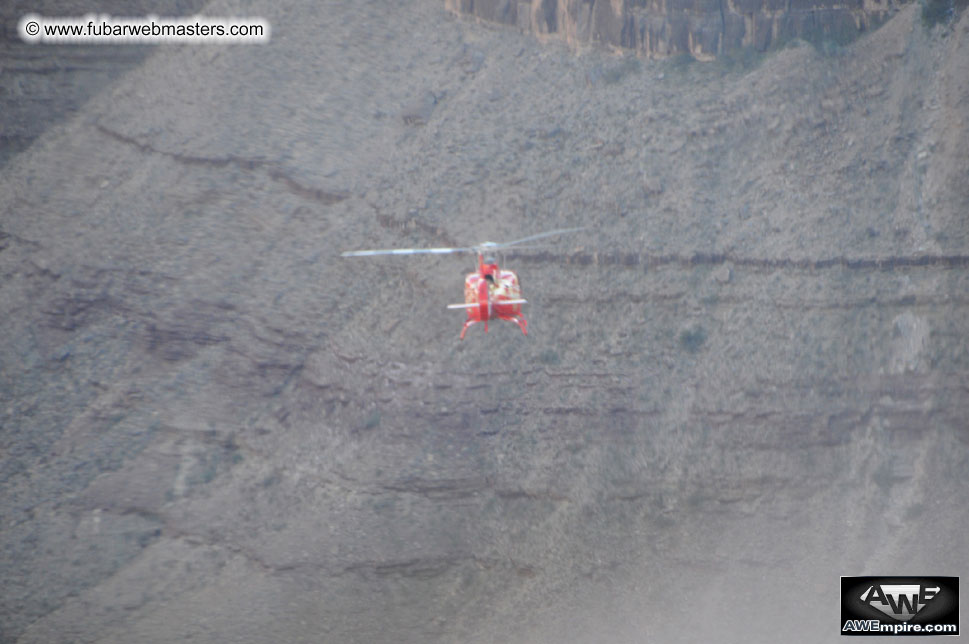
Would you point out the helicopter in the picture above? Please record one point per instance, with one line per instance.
(490, 293)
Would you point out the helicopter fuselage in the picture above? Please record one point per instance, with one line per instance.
(493, 293)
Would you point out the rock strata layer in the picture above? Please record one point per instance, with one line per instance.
(702, 28)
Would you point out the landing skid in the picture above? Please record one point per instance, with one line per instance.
(517, 319)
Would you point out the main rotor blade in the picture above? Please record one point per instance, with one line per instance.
(561, 231)
(529, 247)
(404, 251)
(481, 248)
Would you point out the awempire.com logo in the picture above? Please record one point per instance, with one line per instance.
(899, 605)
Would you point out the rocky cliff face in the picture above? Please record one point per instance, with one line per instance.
(702, 28)
(39, 86)
(748, 377)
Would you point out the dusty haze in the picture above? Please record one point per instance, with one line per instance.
(749, 377)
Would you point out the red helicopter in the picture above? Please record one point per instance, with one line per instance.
(490, 292)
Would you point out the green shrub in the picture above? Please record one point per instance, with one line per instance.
(693, 339)
(944, 11)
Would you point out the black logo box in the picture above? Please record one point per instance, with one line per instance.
(942, 608)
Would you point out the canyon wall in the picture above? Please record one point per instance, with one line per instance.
(702, 28)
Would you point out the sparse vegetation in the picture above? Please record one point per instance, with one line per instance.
(679, 63)
(373, 420)
(549, 356)
(209, 473)
(740, 60)
(941, 11)
(271, 480)
(618, 71)
(692, 339)
(614, 72)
